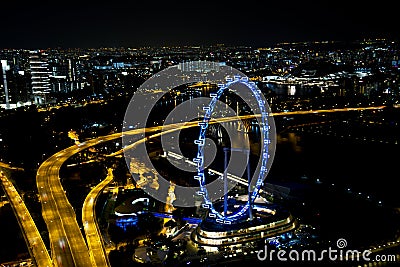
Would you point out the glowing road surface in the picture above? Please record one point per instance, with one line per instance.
(68, 247)
(36, 247)
(92, 232)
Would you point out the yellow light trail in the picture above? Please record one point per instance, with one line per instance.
(59, 215)
(36, 246)
(97, 252)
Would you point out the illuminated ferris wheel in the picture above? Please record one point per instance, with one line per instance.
(266, 154)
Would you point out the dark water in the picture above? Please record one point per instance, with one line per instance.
(366, 168)
(356, 196)
(343, 186)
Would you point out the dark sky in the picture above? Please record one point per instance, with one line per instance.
(43, 24)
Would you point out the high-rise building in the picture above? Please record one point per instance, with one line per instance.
(5, 67)
(40, 74)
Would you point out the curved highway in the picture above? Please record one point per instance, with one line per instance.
(68, 246)
(93, 236)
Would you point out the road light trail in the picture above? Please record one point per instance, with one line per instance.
(67, 244)
(97, 252)
(304, 112)
(36, 246)
(8, 166)
(49, 193)
(182, 125)
(58, 212)
(68, 247)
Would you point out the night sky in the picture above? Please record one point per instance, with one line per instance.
(73, 24)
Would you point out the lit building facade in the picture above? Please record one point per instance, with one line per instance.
(40, 76)
(5, 68)
(268, 222)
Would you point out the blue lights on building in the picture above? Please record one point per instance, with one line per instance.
(124, 223)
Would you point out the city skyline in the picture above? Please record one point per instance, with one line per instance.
(74, 24)
(96, 150)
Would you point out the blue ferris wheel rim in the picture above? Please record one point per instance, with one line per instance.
(201, 141)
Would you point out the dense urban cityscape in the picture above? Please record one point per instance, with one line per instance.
(73, 195)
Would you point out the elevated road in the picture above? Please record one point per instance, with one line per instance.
(8, 166)
(67, 243)
(94, 240)
(68, 246)
(36, 246)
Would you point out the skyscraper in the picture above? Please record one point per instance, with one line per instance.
(40, 74)
(5, 68)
